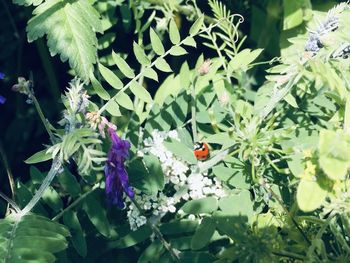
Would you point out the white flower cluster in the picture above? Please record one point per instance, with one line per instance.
(185, 183)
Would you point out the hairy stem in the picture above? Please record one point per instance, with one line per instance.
(157, 232)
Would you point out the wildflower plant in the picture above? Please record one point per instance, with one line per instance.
(123, 171)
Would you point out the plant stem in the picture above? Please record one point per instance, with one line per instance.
(193, 110)
(156, 231)
(75, 203)
(288, 254)
(55, 169)
(8, 171)
(10, 202)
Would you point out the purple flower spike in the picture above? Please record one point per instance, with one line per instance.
(2, 75)
(117, 180)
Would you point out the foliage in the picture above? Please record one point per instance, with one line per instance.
(275, 185)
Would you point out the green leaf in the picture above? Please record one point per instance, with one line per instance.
(132, 238)
(140, 92)
(189, 41)
(334, 149)
(197, 25)
(140, 55)
(113, 108)
(151, 74)
(100, 91)
(162, 65)
(177, 51)
(203, 234)
(69, 183)
(289, 98)
(156, 43)
(310, 195)
(293, 14)
(31, 238)
(196, 257)
(181, 150)
(203, 205)
(97, 214)
(123, 66)
(243, 59)
(174, 33)
(237, 204)
(39, 157)
(179, 227)
(152, 253)
(110, 77)
(70, 28)
(27, 2)
(71, 220)
(124, 100)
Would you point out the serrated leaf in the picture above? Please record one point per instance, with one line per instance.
(39, 157)
(151, 74)
(140, 92)
(113, 108)
(197, 25)
(31, 238)
(162, 65)
(100, 91)
(156, 43)
(203, 205)
(124, 100)
(110, 77)
(177, 51)
(203, 233)
(70, 28)
(189, 41)
(123, 66)
(140, 55)
(181, 150)
(174, 33)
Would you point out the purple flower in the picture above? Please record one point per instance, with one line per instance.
(117, 181)
(2, 75)
(2, 98)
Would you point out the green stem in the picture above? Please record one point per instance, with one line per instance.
(193, 110)
(8, 171)
(75, 203)
(288, 254)
(10, 202)
(157, 232)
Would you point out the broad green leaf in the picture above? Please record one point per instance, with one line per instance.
(140, 54)
(71, 220)
(156, 43)
(289, 98)
(238, 204)
(113, 108)
(97, 214)
(100, 91)
(140, 92)
(124, 100)
(39, 157)
(69, 183)
(179, 227)
(31, 238)
(203, 234)
(123, 66)
(243, 59)
(177, 51)
(189, 41)
(293, 14)
(199, 206)
(310, 195)
(70, 28)
(27, 2)
(151, 74)
(152, 253)
(181, 150)
(197, 25)
(199, 257)
(174, 33)
(110, 77)
(162, 65)
(334, 149)
(132, 238)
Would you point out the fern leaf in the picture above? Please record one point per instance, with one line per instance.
(31, 238)
(70, 27)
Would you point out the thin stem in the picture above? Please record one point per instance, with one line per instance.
(55, 169)
(75, 203)
(8, 171)
(103, 108)
(10, 202)
(157, 232)
(193, 110)
(286, 211)
(42, 117)
(288, 254)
